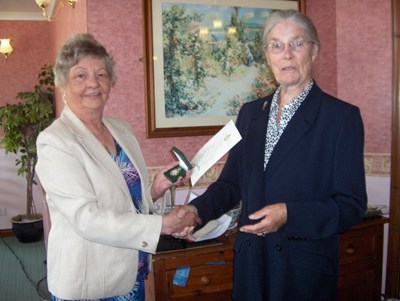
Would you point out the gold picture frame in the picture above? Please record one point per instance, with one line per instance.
(182, 60)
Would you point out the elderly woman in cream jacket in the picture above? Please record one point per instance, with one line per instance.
(97, 188)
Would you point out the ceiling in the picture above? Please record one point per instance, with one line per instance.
(21, 10)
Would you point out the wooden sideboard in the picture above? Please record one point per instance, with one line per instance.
(210, 278)
(361, 254)
(210, 275)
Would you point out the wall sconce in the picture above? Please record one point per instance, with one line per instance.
(5, 47)
(43, 4)
(72, 3)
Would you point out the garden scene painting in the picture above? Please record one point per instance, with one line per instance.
(212, 59)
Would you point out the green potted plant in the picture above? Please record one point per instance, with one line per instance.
(21, 123)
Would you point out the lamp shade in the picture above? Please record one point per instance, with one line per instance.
(5, 47)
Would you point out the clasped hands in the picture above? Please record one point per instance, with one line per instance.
(180, 221)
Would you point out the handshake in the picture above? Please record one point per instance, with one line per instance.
(180, 221)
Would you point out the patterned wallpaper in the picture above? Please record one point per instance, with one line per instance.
(352, 64)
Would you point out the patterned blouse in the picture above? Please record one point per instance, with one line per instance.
(132, 179)
(274, 129)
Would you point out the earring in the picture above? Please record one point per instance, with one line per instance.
(64, 99)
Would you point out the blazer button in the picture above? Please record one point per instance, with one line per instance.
(278, 248)
(144, 244)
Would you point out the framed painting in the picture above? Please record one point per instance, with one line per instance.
(203, 61)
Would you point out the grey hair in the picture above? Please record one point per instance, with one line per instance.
(290, 15)
(74, 49)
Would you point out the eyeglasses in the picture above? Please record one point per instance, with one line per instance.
(296, 45)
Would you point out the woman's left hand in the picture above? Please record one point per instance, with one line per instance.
(272, 218)
(161, 183)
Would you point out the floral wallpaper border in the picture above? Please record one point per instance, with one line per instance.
(377, 164)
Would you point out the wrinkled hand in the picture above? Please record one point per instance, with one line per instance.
(272, 218)
(161, 183)
(186, 232)
(180, 222)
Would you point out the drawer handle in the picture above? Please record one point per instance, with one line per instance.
(350, 249)
(205, 280)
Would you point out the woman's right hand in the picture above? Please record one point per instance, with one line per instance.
(180, 221)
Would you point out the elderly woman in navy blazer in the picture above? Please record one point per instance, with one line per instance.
(299, 172)
(97, 187)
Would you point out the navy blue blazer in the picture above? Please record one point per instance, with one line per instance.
(317, 169)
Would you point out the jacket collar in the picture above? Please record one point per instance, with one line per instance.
(94, 148)
(302, 121)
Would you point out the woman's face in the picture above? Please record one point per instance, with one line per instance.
(87, 86)
(291, 67)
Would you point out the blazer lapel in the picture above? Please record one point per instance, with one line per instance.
(301, 122)
(253, 157)
(256, 134)
(94, 148)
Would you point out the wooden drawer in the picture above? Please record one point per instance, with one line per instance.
(358, 245)
(205, 279)
(360, 270)
(358, 283)
(210, 276)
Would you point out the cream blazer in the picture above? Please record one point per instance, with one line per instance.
(95, 230)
